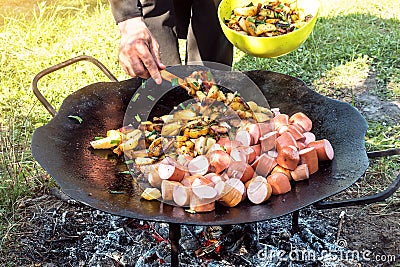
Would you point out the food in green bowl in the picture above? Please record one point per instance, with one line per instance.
(267, 28)
(267, 20)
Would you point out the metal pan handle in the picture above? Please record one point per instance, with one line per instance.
(47, 71)
(367, 199)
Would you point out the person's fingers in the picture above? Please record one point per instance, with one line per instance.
(133, 66)
(136, 68)
(146, 54)
(126, 65)
(156, 48)
(130, 57)
(153, 69)
(139, 51)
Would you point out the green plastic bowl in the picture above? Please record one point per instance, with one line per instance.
(267, 47)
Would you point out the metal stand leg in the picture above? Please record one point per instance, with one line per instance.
(295, 221)
(389, 191)
(174, 236)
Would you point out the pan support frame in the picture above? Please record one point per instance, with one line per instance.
(174, 236)
(381, 196)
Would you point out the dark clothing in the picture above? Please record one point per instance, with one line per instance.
(125, 9)
(193, 20)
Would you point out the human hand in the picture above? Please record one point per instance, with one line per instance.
(139, 50)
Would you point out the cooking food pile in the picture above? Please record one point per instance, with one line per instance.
(267, 20)
(219, 148)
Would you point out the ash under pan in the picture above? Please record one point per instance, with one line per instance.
(72, 234)
(62, 147)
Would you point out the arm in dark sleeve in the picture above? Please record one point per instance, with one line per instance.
(125, 9)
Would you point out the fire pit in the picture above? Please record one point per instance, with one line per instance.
(62, 148)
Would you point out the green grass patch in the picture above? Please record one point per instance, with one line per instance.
(382, 136)
(21, 176)
(30, 42)
(338, 41)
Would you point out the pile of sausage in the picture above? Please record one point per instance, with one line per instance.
(263, 159)
(219, 149)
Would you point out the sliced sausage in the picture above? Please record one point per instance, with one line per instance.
(286, 139)
(243, 137)
(201, 205)
(167, 189)
(285, 171)
(203, 195)
(280, 120)
(225, 177)
(268, 141)
(288, 157)
(237, 155)
(154, 179)
(240, 170)
(243, 153)
(222, 140)
(297, 127)
(202, 180)
(309, 156)
(170, 172)
(257, 149)
(228, 144)
(266, 127)
(181, 195)
(213, 177)
(310, 137)
(279, 182)
(219, 160)
(188, 180)
(169, 161)
(254, 132)
(219, 187)
(259, 190)
(257, 178)
(324, 149)
(282, 129)
(233, 192)
(300, 145)
(300, 173)
(264, 164)
(302, 120)
(296, 133)
(272, 153)
(199, 165)
(204, 191)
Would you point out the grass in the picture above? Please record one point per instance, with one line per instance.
(21, 176)
(352, 40)
(30, 43)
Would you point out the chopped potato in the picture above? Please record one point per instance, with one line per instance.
(113, 139)
(151, 193)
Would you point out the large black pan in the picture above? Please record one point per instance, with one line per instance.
(62, 148)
